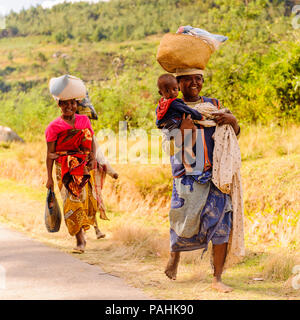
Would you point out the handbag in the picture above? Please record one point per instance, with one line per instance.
(52, 213)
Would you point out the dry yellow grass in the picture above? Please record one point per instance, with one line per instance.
(269, 142)
(278, 266)
(133, 253)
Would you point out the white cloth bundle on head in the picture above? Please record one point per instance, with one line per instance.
(67, 87)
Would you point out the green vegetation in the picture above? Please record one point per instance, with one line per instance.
(112, 47)
(121, 20)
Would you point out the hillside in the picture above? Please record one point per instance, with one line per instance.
(255, 73)
(120, 20)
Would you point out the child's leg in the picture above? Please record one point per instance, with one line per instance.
(101, 159)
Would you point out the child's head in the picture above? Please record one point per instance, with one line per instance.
(168, 86)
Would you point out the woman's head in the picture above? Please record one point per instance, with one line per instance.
(190, 86)
(68, 107)
(190, 83)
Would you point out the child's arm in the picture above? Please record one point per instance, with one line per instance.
(173, 117)
(173, 134)
(181, 107)
(177, 119)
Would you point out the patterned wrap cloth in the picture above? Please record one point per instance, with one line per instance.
(80, 183)
(86, 107)
(199, 213)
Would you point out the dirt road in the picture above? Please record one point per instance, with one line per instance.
(31, 270)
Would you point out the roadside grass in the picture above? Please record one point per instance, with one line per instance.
(138, 254)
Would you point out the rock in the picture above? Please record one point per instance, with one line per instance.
(7, 135)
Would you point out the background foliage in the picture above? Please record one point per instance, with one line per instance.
(112, 47)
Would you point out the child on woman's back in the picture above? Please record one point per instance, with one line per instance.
(169, 113)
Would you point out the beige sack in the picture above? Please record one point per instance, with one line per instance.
(181, 51)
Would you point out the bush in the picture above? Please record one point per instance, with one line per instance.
(28, 113)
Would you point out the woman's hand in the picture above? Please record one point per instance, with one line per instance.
(50, 184)
(91, 161)
(115, 176)
(53, 155)
(187, 123)
(222, 118)
(91, 157)
(49, 164)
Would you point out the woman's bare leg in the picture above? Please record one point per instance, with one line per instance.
(99, 234)
(171, 269)
(80, 241)
(219, 256)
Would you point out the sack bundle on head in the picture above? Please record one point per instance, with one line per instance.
(188, 48)
(67, 87)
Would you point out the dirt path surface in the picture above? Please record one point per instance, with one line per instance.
(31, 270)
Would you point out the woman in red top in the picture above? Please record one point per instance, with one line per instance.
(71, 137)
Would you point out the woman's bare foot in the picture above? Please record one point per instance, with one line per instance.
(78, 249)
(220, 286)
(99, 234)
(171, 269)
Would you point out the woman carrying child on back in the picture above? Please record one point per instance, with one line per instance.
(201, 141)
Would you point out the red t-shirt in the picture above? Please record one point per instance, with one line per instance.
(58, 125)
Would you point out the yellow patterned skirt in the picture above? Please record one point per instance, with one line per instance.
(80, 212)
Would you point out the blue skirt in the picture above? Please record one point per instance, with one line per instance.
(199, 213)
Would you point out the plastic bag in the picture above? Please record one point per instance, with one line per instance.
(52, 213)
(213, 40)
